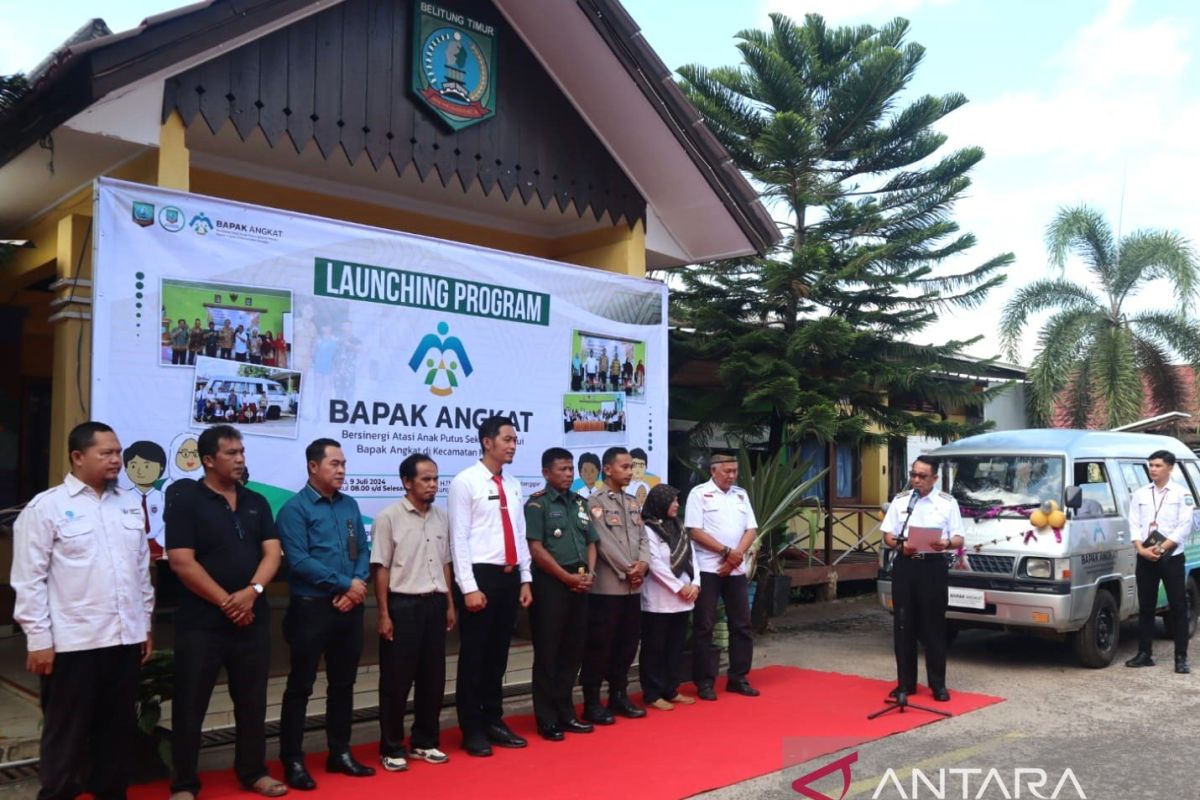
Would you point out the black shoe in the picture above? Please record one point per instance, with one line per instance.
(551, 733)
(345, 764)
(476, 745)
(295, 775)
(942, 695)
(706, 693)
(1181, 665)
(742, 688)
(621, 704)
(575, 726)
(1142, 659)
(897, 690)
(502, 735)
(598, 714)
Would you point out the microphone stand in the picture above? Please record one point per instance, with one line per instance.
(900, 701)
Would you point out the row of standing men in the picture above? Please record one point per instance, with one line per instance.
(599, 576)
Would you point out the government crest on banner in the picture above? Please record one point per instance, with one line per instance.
(454, 65)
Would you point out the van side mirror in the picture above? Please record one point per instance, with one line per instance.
(1073, 497)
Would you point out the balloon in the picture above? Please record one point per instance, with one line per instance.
(1038, 518)
(1056, 518)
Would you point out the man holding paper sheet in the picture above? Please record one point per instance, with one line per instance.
(921, 524)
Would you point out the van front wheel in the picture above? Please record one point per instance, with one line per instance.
(1096, 643)
(1192, 593)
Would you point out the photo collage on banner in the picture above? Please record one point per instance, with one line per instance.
(292, 327)
(607, 378)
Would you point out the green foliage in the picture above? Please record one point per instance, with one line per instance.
(814, 339)
(13, 89)
(1098, 357)
(778, 493)
(155, 687)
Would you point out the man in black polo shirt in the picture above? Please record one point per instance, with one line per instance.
(223, 546)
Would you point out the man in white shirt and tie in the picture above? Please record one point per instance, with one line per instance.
(1160, 521)
(81, 573)
(492, 577)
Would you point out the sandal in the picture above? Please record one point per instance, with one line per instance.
(269, 787)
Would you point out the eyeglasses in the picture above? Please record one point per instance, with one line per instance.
(920, 475)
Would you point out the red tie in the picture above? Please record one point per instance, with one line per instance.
(510, 537)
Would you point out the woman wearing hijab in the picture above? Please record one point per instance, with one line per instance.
(668, 595)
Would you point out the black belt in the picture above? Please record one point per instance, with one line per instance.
(506, 568)
(404, 596)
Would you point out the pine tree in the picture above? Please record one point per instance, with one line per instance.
(813, 339)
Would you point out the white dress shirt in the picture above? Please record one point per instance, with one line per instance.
(476, 529)
(81, 569)
(1170, 509)
(659, 590)
(725, 516)
(934, 510)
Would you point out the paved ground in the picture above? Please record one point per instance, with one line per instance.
(1122, 733)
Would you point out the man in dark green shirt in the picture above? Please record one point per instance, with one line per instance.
(562, 543)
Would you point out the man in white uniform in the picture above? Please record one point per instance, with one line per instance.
(81, 573)
(1160, 521)
(722, 526)
(920, 584)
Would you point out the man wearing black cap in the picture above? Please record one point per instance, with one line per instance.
(723, 526)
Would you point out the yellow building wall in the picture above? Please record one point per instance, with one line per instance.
(62, 239)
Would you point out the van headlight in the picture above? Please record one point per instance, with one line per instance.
(1038, 568)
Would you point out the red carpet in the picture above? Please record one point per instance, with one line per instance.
(801, 714)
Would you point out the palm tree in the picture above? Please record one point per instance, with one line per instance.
(1102, 356)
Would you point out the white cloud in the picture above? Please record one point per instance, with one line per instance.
(1112, 125)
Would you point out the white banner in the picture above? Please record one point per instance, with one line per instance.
(294, 327)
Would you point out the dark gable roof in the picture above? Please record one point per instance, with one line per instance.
(81, 74)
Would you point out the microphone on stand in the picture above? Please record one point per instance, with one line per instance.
(912, 503)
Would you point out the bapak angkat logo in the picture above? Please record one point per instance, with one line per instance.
(441, 357)
(201, 224)
(966, 782)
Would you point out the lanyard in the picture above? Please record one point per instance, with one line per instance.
(1157, 506)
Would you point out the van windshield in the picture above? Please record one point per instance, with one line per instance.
(1000, 484)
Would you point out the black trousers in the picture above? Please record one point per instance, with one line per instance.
(484, 637)
(313, 628)
(245, 653)
(558, 618)
(706, 658)
(663, 636)
(88, 707)
(416, 657)
(919, 600)
(614, 628)
(1169, 570)
(179, 357)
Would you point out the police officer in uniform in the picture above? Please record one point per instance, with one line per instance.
(919, 580)
(615, 606)
(562, 543)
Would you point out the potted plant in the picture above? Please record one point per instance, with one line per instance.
(155, 687)
(779, 493)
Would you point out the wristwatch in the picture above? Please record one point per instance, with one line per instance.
(257, 587)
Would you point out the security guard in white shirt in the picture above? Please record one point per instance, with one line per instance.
(81, 573)
(919, 580)
(1160, 521)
